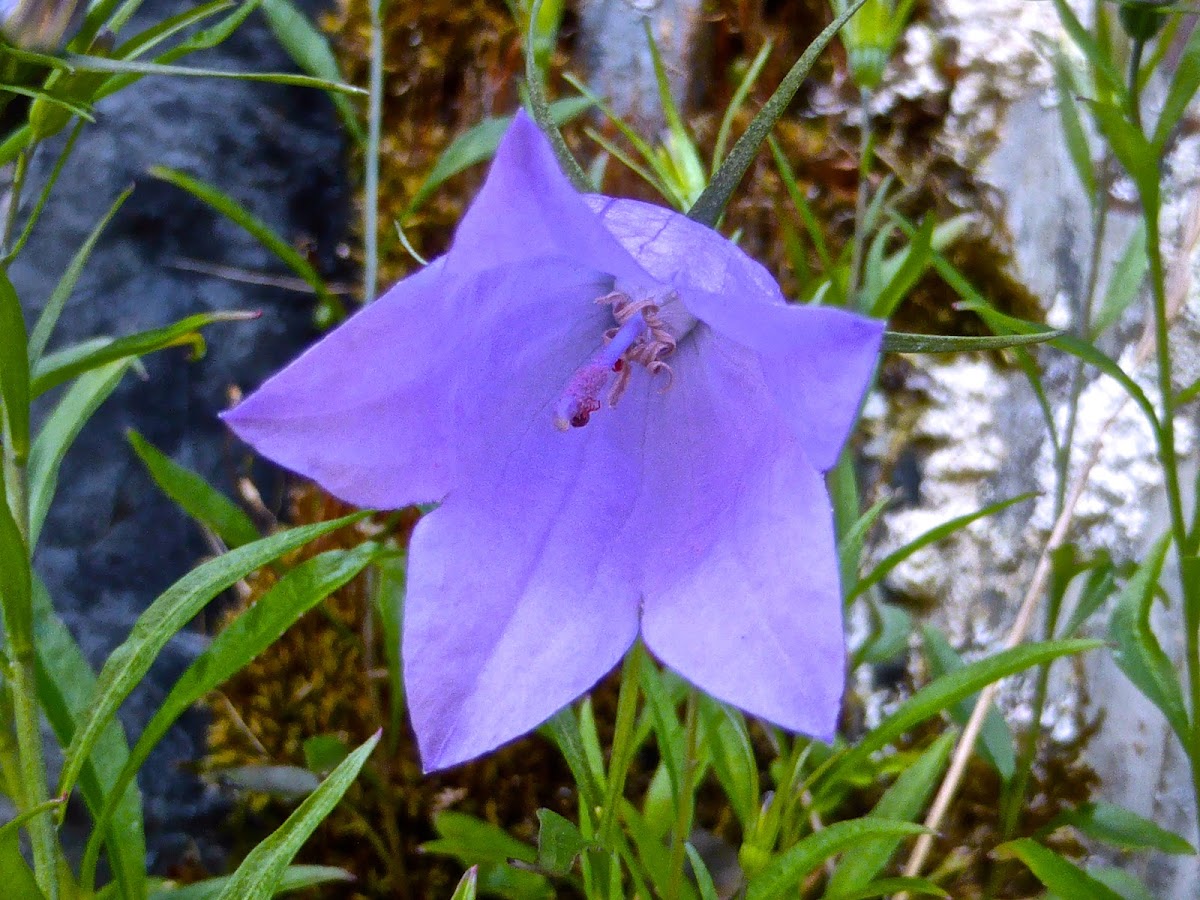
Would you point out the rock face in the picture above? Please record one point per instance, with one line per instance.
(112, 541)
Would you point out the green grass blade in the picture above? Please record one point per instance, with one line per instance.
(194, 495)
(62, 365)
(40, 336)
(170, 612)
(295, 878)
(298, 591)
(1060, 875)
(14, 368)
(58, 433)
(781, 876)
(711, 204)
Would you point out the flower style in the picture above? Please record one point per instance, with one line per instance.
(625, 425)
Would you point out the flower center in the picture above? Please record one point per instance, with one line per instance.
(643, 335)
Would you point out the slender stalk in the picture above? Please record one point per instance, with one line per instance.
(371, 175)
(683, 803)
(31, 764)
(866, 147)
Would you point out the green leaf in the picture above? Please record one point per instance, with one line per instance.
(711, 204)
(19, 882)
(324, 752)
(901, 342)
(467, 885)
(260, 873)
(158, 33)
(559, 842)
(1124, 883)
(850, 544)
(903, 802)
(738, 100)
(940, 695)
(1132, 150)
(478, 144)
(310, 50)
(1060, 875)
(932, 536)
(294, 878)
(170, 612)
(995, 742)
(1123, 282)
(287, 783)
(83, 63)
(1108, 77)
(891, 627)
(1137, 652)
(1183, 88)
(63, 365)
(14, 368)
(66, 686)
(252, 225)
(1072, 126)
(704, 879)
(886, 887)
(44, 328)
(472, 840)
(1106, 364)
(388, 599)
(732, 758)
(300, 589)
(195, 496)
(1121, 828)
(59, 432)
(789, 868)
(914, 261)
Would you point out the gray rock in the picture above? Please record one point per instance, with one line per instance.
(112, 541)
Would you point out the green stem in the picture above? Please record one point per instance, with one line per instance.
(371, 174)
(865, 158)
(684, 802)
(18, 625)
(623, 743)
(1170, 466)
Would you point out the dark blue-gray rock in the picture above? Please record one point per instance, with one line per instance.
(112, 541)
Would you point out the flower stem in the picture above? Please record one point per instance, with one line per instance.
(371, 173)
(865, 158)
(684, 802)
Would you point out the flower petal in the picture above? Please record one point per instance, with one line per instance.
(741, 589)
(373, 412)
(522, 593)
(528, 209)
(818, 361)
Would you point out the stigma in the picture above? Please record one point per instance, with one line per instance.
(640, 337)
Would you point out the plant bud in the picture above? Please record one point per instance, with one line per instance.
(39, 24)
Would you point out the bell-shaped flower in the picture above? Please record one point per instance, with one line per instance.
(625, 426)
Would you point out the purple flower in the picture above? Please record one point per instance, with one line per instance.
(626, 426)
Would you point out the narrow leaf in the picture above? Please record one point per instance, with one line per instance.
(195, 496)
(242, 640)
(995, 742)
(1060, 875)
(44, 328)
(787, 870)
(259, 875)
(84, 63)
(310, 50)
(1121, 828)
(294, 878)
(900, 342)
(711, 204)
(65, 687)
(252, 224)
(1123, 282)
(941, 694)
(886, 887)
(63, 365)
(14, 368)
(559, 842)
(1183, 88)
(170, 612)
(904, 801)
(59, 432)
(932, 536)
(1138, 653)
(467, 885)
